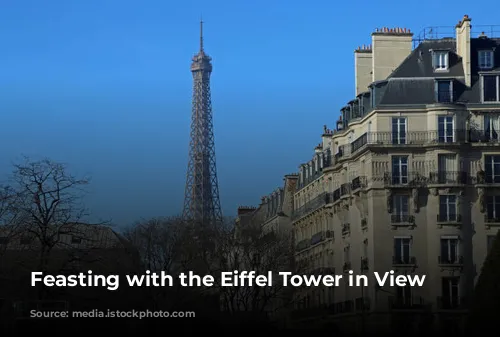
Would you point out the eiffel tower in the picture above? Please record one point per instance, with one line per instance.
(201, 199)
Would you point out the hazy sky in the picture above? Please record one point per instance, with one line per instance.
(105, 86)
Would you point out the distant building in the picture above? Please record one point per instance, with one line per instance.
(408, 181)
(265, 233)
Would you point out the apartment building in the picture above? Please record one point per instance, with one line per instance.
(408, 181)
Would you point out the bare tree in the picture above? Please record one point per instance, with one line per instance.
(45, 209)
(253, 250)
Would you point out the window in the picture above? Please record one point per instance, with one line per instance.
(491, 126)
(485, 59)
(447, 208)
(449, 250)
(493, 208)
(491, 88)
(450, 292)
(445, 129)
(399, 170)
(447, 164)
(440, 60)
(76, 239)
(492, 169)
(444, 91)
(399, 130)
(490, 239)
(402, 247)
(400, 209)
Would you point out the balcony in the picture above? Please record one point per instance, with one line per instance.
(451, 303)
(409, 138)
(404, 261)
(317, 238)
(449, 178)
(402, 219)
(310, 206)
(302, 245)
(336, 195)
(346, 229)
(358, 183)
(483, 136)
(411, 179)
(450, 260)
(345, 189)
(446, 218)
(492, 220)
(403, 303)
(346, 267)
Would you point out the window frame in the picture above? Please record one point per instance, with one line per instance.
(398, 142)
(492, 58)
(497, 76)
(436, 60)
(436, 90)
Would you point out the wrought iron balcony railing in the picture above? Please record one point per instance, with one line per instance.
(488, 218)
(358, 182)
(345, 189)
(449, 217)
(346, 267)
(451, 260)
(317, 238)
(302, 244)
(449, 177)
(404, 260)
(310, 206)
(402, 218)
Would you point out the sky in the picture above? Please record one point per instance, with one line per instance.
(105, 87)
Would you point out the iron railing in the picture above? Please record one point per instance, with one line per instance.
(404, 260)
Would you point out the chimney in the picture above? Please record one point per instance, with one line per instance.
(462, 31)
(363, 68)
(390, 47)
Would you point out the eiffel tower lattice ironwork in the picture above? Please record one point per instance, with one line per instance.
(201, 200)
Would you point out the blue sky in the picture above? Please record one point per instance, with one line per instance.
(105, 86)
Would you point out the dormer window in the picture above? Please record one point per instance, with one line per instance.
(444, 91)
(485, 59)
(440, 60)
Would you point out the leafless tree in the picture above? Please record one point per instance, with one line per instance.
(44, 210)
(253, 250)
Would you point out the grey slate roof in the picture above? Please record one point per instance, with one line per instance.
(413, 82)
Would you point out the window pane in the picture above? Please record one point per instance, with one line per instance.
(490, 89)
